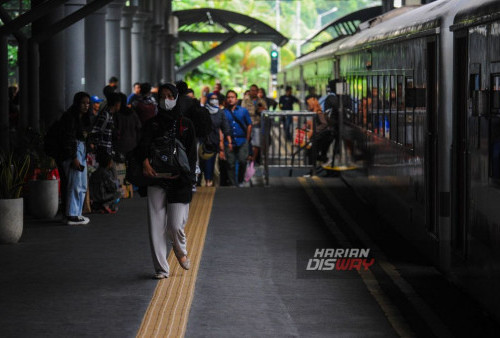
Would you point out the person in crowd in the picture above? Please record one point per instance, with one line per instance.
(168, 198)
(286, 102)
(330, 106)
(255, 107)
(192, 109)
(135, 94)
(101, 136)
(204, 92)
(75, 125)
(104, 185)
(185, 102)
(154, 92)
(240, 124)
(145, 106)
(311, 92)
(190, 93)
(111, 88)
(271, 103)
(95, 103)
(246, 95)
(213, 141)
(127, 130)
(323, 136)
(218, 92)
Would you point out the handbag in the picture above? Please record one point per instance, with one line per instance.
(168, 155)
(250, 171)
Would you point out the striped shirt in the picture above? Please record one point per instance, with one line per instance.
(102, 132)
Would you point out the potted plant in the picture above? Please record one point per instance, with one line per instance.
(12, 175)
(43, 186)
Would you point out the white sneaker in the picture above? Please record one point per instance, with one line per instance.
(77, 220)
(160, 275)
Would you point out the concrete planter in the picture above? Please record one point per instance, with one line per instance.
(43, 199)
(11, 220)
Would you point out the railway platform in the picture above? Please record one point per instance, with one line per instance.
(249, 276)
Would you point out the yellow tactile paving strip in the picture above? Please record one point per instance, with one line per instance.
(168, 311)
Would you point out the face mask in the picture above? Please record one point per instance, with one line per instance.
(214, 102)
(168, 104)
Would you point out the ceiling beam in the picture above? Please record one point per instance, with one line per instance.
(69, 20)
(30, 16)
(234, 39)
(194, 36)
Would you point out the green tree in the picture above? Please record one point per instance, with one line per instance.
(247, 62)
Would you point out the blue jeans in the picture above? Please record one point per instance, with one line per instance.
(288, 127)
(76, 182)
(239, 154)
(208, 167)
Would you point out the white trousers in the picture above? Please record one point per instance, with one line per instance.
(166, 228)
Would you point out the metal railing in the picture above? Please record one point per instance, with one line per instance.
(287, 141)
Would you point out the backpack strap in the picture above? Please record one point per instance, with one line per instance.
(237, 120)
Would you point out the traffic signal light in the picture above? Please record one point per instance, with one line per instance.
(274, 61)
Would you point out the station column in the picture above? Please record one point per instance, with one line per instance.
(113, 18)
(95, 42)
(126, 49)
(158, 26)
(74, 49)
(137, 46)
(50, 72)
(148, 38)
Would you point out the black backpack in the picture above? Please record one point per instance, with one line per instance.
(199, 115)
(52, 142)
(202, 121)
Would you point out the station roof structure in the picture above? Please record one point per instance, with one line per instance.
(477, 12)
(339, 28)
(225, 26)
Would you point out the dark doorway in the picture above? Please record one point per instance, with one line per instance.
(431, 138)
(461, 177)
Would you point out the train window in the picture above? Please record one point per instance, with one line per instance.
(387, 106)
(474, 93)
(380, 105)
(357, 99)
(364, 104)
(369, 103)
(375, 104)
(400, 109)
(474, 83)
(409, 111)
(495, 94)
(352, 90)
(393, 109)
(495, 149)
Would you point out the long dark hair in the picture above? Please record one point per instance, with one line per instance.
(77, 99)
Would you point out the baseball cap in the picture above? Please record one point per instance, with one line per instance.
(95, 99)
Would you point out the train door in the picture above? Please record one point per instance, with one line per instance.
(431, 137)
(460, 177)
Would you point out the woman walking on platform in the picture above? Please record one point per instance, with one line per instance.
(214, 141)
(170, 194)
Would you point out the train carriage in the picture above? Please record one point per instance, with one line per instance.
(393, 72)
(476, 149)
(424, 128)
